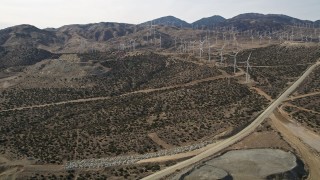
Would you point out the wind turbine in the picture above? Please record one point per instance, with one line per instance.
(307, 38)
(251, 39)
(134, 44)
(235, 61)
(270, 39)
(224, 38)
(260, 38)
(221, 53)
(302, 38)
(193, 42)
(247, 69)
(291, 37)
(280, 38)
(181, 45)
(235, 40)
(201, 46)
(209, 50)
(160, 40)
(186, 46)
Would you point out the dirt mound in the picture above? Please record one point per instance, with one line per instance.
(248, 164)
(66, 66)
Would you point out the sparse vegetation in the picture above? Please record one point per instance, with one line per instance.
(180, 101)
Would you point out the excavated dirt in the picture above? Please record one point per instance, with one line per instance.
(247, 164)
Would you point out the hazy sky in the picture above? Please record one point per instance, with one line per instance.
(55, 13)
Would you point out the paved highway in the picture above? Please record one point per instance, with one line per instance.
(215, 148)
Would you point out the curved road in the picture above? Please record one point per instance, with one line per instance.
(214, 148)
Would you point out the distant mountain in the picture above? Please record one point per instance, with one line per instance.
(261, 22)
(209, 21)
(247, 21)
(26, 35)
(251, 21)
(96, 32)
(65, 37)
(168, 20)
(109, 35)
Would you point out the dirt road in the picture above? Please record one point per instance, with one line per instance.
(299, 108)
(311, 159)
(192, 83)
(215, 148)
(302, 96)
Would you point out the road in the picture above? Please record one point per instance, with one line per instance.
(192, 83)
(215, 148)
(302, 96)
(310, 158)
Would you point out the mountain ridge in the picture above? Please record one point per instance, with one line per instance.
(108, 35)
(213, 20)
(168, 20)
(171, 19)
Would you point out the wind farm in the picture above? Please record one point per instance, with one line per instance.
(162, 99)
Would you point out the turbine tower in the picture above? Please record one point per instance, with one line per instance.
(235, 61)
(160, 40)
(260, 39)
(192, 45)
(251, 39)
(209, 50)
(201, 47)
(269, 39)
(247, 69)
(291, 37)
(221, 54)
(134, 44)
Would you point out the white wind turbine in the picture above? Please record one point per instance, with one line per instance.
(307, 38)
(280, 38)
(224, 37)
(160, 40)
(291, 37)
(192, 44)
(260, 39)
(270, 39)
(302, 38)
(247, 68)
(134, 44)
(235, 62)
(209, 50)
(235, 40)
(252, 38)
(221, 54)
(201, 46)
(147, 37)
